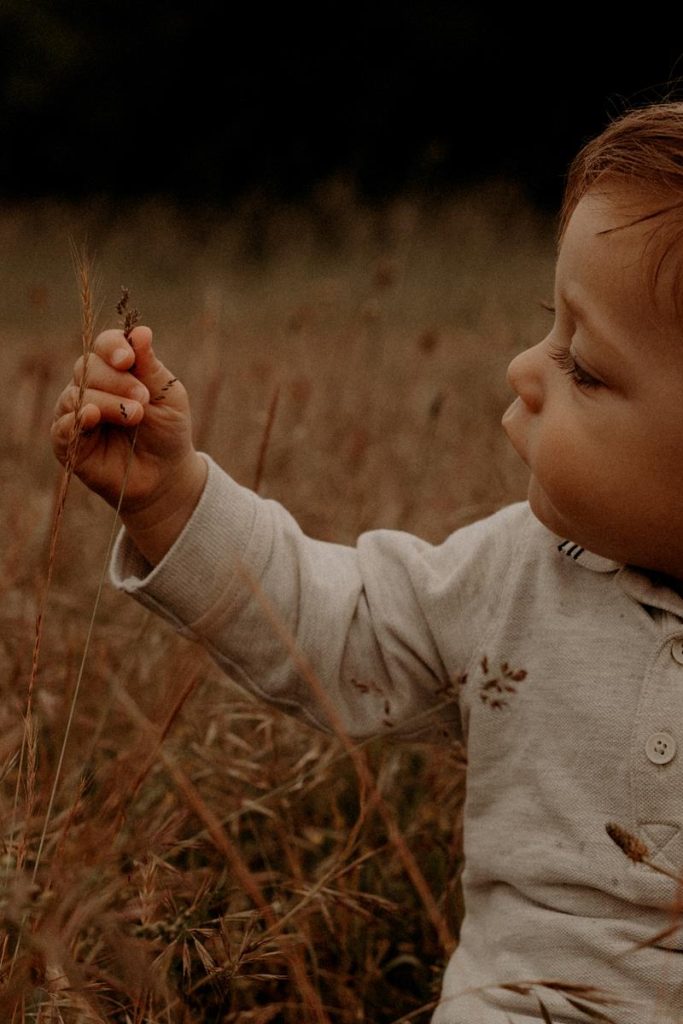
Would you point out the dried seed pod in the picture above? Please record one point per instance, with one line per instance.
(634, 848)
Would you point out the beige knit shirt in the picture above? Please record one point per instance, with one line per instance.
(561, 672)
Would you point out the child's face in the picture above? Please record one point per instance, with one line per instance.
(599, 413)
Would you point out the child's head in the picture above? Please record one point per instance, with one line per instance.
(642, 150)
(599, 417)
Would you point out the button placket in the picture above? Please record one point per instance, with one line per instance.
(660, 747)
(657, 765)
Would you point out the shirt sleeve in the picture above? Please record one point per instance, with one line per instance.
(370, 639)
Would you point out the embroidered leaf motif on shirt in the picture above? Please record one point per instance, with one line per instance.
(496, 690)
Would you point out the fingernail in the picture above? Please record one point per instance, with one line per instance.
(140, 393)
(120, 357)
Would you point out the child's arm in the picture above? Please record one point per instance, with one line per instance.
(374, 636)
(339, 635)
(129, 387)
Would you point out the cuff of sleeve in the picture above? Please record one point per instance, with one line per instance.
(199, 569)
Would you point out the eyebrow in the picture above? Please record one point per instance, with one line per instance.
(579, 314)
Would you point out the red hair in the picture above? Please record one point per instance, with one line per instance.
(643, 150)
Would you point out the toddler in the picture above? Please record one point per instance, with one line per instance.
(547, 637)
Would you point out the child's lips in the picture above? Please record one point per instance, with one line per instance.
(509, 416)
(511, 409)
(514, 428)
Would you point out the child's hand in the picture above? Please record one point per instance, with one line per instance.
(127, 387)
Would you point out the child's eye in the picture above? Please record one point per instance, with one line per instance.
(582, 378)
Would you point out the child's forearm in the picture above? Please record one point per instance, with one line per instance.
(155, 527)
(329, 630)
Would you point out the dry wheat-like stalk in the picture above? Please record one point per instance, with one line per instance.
(637, 851)
(265, 439)
(131, 317)
(365, 778)
(84, 272)
(225, 845)
(584, 998)
(634, 848)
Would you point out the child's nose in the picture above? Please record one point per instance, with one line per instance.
(524, 375)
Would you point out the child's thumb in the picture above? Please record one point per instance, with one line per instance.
(147, 368)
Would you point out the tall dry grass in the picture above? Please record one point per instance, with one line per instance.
(207, 859)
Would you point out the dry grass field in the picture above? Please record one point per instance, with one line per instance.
(205, 858)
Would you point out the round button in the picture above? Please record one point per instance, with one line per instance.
(677, 650)
(660, 747)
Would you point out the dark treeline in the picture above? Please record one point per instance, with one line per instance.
(206, 101)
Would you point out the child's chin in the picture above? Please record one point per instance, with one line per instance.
(543, 509)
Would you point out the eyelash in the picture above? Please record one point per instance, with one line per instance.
(568, 363)
(579, 376)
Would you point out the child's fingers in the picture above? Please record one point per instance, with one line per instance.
(163, 386)
(104, 377)
(124, 354)
(62, 428)
(60, 433)
(113, 348)
(124, 412)
(116, 351)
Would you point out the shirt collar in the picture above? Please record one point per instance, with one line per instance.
(647, 588)
(587, 559)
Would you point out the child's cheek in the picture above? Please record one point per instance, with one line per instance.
(557, 490)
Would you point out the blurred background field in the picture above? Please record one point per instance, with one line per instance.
(373, 341)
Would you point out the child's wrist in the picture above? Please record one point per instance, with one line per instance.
(155, 526)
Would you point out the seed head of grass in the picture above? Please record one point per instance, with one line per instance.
(634, 848)
(130, 316)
